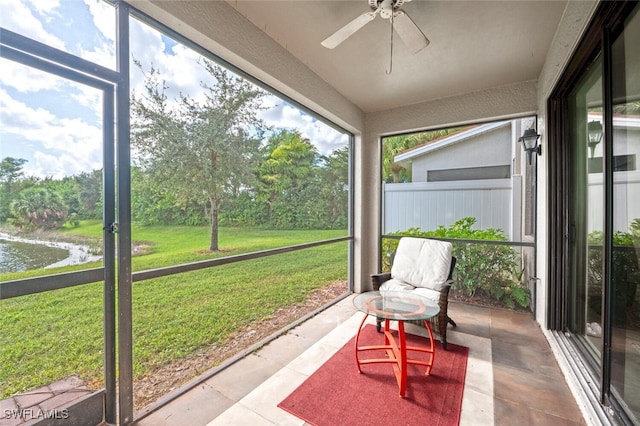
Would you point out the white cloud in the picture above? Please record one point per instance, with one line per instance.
(26, 79)
(184, 72)
(18, 18)
(180, 68)
(104, 55)
(45, 7)
(90, 98)
(325, 138)
(16, 116)
(58, 166)
(104, 18)
(62, 146)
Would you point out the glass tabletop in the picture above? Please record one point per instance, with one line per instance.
(396, 305)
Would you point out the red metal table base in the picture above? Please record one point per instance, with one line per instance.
(396, 352)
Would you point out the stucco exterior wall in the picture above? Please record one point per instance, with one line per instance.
(493, 148)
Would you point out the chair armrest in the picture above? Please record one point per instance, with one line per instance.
(378, 279)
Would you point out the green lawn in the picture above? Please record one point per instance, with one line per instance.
(49, 336)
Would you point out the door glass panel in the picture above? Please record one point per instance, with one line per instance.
(51, 179)
(587, 204)
(50, 173)
(625, 273)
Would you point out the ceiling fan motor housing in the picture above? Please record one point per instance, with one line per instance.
(386, 7)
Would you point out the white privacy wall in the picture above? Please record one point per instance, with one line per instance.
(426, 205)
(626, 193)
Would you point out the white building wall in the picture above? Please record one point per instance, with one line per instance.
(626, 192)
(487, 149)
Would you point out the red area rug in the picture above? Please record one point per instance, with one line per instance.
(336, 394)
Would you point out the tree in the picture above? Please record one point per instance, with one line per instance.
(199, 148)
(391, 146)
(66, 189)
(10, 172)
(39, 207)
(289, 179)
(296, 187)
(11, 169)
(153, 203)
(334, 193)
(89, 186)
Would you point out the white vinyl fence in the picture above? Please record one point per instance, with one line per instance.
(626, 200)
(425, 205)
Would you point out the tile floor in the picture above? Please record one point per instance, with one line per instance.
(512, 376)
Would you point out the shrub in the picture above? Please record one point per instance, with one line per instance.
(483, 269)
(73, 220)
(39, 208)
(625, 271)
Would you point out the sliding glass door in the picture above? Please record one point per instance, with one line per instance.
(594, 210)
(625, 238)
(586, 223)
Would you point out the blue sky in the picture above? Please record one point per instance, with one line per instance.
(56, 124)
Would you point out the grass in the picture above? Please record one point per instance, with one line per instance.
(52, 335)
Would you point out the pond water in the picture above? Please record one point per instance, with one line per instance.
(17, 256)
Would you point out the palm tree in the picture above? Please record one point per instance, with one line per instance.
(38, 207)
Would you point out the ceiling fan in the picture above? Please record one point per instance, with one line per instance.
(408, 31)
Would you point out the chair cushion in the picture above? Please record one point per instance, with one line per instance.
(422, 262)
(395, 285)
(428, 293)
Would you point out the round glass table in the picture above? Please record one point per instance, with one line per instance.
(398, 306)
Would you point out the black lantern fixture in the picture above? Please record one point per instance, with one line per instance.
(530, 143)
(594, 130)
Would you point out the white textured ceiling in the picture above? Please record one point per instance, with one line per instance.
(475, 45)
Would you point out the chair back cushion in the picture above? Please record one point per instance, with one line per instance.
(422, 262)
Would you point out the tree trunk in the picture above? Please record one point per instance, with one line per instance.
(213, 246)
(395, 169)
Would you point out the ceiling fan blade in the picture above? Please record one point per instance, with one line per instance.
(345, 32)
(409, 32)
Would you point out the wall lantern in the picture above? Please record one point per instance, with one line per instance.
(530, 143)
(594, 130)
